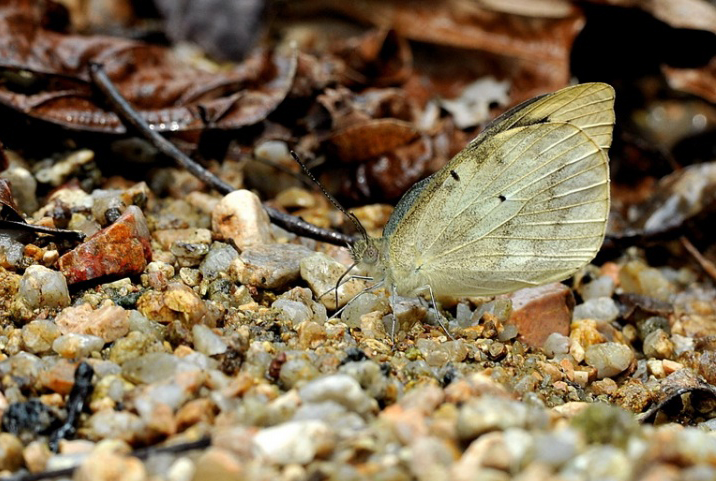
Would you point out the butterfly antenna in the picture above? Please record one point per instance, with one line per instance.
(332, 199)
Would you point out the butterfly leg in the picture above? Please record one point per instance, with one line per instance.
(440, 316)
(364, 291)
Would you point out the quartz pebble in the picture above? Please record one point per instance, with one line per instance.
(206, 341)
(43, 287)
(240, 217)
(295, 441)
(38, 336)
(73, 345)
(217, 260)
(602, 286)
(103, 465)
(121, 249)
(339, 388)
(609, 358)
(149, 368)
(599, 309)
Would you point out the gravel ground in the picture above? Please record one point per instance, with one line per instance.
(191, 319)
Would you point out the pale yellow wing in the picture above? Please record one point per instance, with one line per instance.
(525, 203)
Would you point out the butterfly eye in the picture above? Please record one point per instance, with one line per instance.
(371, 255)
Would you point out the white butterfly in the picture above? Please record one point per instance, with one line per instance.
(525, 203)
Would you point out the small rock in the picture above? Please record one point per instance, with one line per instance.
(340, 388)
(36, 455)
(43, 287)
(218, 464)
(322, 273)
(600, 309)
(295, 442)
(10, 452)
(39, 335)
(73, 345)
(109, 322)
(122, 249)
(206, 341)
(636, 277)
(603, 286)
(59, 171)
(217, 261)
(103, 465)
(609, 358)
(23, 186)
(149, 368)
(294, 311)
(269, 266)
(239, 216)
(540, 311)
(658, 345)
(295, 371)
(111, 424)
(478, 416)
(555, 344)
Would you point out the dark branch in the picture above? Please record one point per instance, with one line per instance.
(132, 119)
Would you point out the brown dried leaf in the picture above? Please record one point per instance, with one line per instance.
(697, 81)
(372, 139)
(169, 95)
(682, 395)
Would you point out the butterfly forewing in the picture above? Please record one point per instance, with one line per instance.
(524, 205)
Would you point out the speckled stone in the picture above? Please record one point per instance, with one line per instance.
(109, 322)
(269, 266)
(322, 272)
(121, 249)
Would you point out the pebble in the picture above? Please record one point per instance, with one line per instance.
(602, 286)
(658, 345)
(217, 464)
(120, 425)
(36, 455)
(24, 187)
(599, 309)
(103, 465)
(540, 311)
(478, 416)
(217, 260)
(10, 452)
(362, 305)
(609, 358)
(339, 388)
(38, 336)
(58, 171)
(240, 217)
(294, 311)
(321, 272)
(638, 278)
(269, 266)
(149, 368)
(556, 344)
(108, 322)
(206, 341)
(295, 442)
(121, 249)
(43, 287)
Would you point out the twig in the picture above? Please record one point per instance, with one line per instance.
(131, 118)
(706, 264)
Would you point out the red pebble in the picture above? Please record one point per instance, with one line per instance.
(121, 249)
